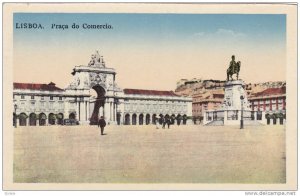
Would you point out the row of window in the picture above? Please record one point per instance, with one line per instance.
(42, 105)
(267, 108)
(268, 101)
(130, 106)
(32, 97)
(141, 101)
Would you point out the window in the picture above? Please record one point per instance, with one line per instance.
(60, 98)
(22, 97)
(42, 97)
(51, 97)
(32, 97)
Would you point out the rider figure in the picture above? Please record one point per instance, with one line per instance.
(232, 65)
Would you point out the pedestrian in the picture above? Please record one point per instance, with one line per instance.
(178, 120)
(168, 122)
(101, 124)
(163, 122)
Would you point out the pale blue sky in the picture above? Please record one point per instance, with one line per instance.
(189, 43)
(153, 27)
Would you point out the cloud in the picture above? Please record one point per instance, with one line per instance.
(221, 33)
(199, 34)
(229, 33)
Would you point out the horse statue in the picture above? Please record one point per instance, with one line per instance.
(234, 68)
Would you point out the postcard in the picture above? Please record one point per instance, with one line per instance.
(149, 96)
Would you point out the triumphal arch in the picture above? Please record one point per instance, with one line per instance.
(94, 76)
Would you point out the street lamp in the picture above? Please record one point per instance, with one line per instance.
(15, 107)
(242, 108)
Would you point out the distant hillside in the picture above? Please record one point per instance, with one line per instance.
(195, 86)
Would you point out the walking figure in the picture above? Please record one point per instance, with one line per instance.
(101, 124)
(164, 122)
(168, 122)
(178, 120)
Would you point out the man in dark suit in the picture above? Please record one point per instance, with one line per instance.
(101, 124)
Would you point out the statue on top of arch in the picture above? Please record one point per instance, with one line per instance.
(96, 60)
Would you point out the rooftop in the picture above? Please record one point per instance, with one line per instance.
(270, 91)
(149, 92)
(33, 86)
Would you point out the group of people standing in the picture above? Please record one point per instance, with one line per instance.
(166, 121)
(163, 120)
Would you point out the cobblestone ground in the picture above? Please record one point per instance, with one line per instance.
(144, 154)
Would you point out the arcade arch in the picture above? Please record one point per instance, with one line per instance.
(99, 102)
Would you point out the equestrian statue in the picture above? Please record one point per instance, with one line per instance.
(234, 68)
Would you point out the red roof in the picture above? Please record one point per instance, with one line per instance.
(149, 92)
(271, 91)
(42, 87)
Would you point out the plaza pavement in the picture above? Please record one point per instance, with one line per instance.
(144, 154)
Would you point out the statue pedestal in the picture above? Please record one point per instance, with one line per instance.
(231, 110)
(232, 97)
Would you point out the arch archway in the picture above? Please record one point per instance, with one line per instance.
(51, 119)
(280, 116)
(72, 116)
(173, 119)
(60, 118)
(268, 117)
(178, 119)
(32, 119)
(42, 119)
(22, 119)
(147, 119)
(98, 105)
(141, 119)
(134, 119)
(154, 119)
(127, 119)
(160, 121)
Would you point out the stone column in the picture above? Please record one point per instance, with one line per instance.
(225, 117)
(88, 111)
(115, 112)
(77, 110)
(107, 110)
(204, 117)
(263, 117)
(121, 116)
(111, 110)
(27, 121)
(18, 122)
(85, 111)
(82, 112)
